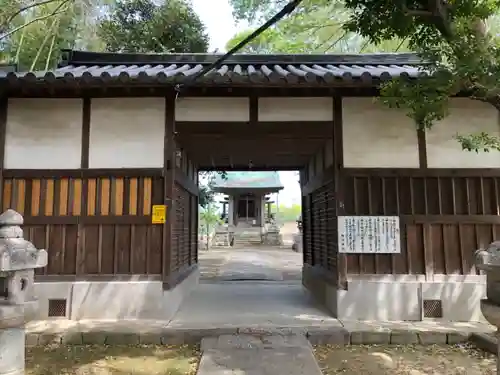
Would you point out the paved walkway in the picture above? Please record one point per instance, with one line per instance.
(252, 355)
(268, 264)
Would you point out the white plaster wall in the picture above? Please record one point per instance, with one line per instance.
(376, 136)
(212, 109)
(111, 300)
(388, 298)
(127, 133)
(295, 109)
(43, 134)
(466, 116)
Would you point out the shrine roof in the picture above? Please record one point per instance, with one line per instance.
(249, 180)
(244, 69)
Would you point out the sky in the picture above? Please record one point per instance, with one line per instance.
(218, 19)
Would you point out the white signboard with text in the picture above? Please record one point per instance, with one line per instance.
(369, 234)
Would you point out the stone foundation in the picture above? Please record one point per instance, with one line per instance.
(398, 298)
(272, 239)
(114, 299)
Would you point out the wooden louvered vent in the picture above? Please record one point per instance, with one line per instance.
(324, 228)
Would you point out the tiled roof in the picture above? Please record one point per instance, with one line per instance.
(249, 180)
(239, 69)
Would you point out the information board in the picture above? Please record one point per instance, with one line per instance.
(369, 234)
(159, 214)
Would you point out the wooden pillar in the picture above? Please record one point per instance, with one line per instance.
(84, 165)
(169, 157)
(338, 164)
(4, 102)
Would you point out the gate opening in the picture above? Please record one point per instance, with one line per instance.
(249, 226)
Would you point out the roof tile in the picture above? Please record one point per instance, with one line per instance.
(240, 69)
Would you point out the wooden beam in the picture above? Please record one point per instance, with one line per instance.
(245, 128)
(169, 155)
(83, 173)
(417, 172)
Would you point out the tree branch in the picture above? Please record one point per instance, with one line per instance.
(25, 8)
(56, 11)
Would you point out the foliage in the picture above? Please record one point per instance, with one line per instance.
(454, 38)
(143, 26)
(315, 27)
(286, 213)
(206, 193)
(32, 34)
(209, 217)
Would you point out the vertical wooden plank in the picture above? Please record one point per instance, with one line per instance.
(148, 185)
(90, 198)
(49, 198)
(133, 197)
(35, 197)
(21, 196)
(118, 196)
(28, 197)
(126, 196)
(77, 197)
(169, 153)
(7, 194)
(105, 196)
(64, 196)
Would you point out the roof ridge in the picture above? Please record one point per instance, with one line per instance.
(76, 58)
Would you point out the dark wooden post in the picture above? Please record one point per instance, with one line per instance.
(84, 165)
(338, 165)
(169, 155)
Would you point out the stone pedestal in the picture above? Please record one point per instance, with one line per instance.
(488, 261)
(18, 260)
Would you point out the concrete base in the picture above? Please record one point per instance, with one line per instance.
(399, 297)
(114, 299)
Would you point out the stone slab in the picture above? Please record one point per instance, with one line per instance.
(485, 341)
(278, 361)
(337, 332)
(12, 351)
(254, 342)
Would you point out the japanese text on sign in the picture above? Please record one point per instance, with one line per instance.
(159, 214)
(369, 234)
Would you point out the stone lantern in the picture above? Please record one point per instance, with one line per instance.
(488, 261)
(18, 260)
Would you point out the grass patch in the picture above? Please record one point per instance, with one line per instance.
(112, 360)
(407, 359)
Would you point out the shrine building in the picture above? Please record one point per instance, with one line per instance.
(101, 155)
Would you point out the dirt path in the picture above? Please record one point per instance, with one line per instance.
(404, 360)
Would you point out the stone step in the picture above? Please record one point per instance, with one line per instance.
(257, 355)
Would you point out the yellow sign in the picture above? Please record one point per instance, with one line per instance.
(159, 214)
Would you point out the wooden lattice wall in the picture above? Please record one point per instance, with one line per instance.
(91, 225)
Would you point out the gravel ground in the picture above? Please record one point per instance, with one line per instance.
(112, 360)
(404, 360)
